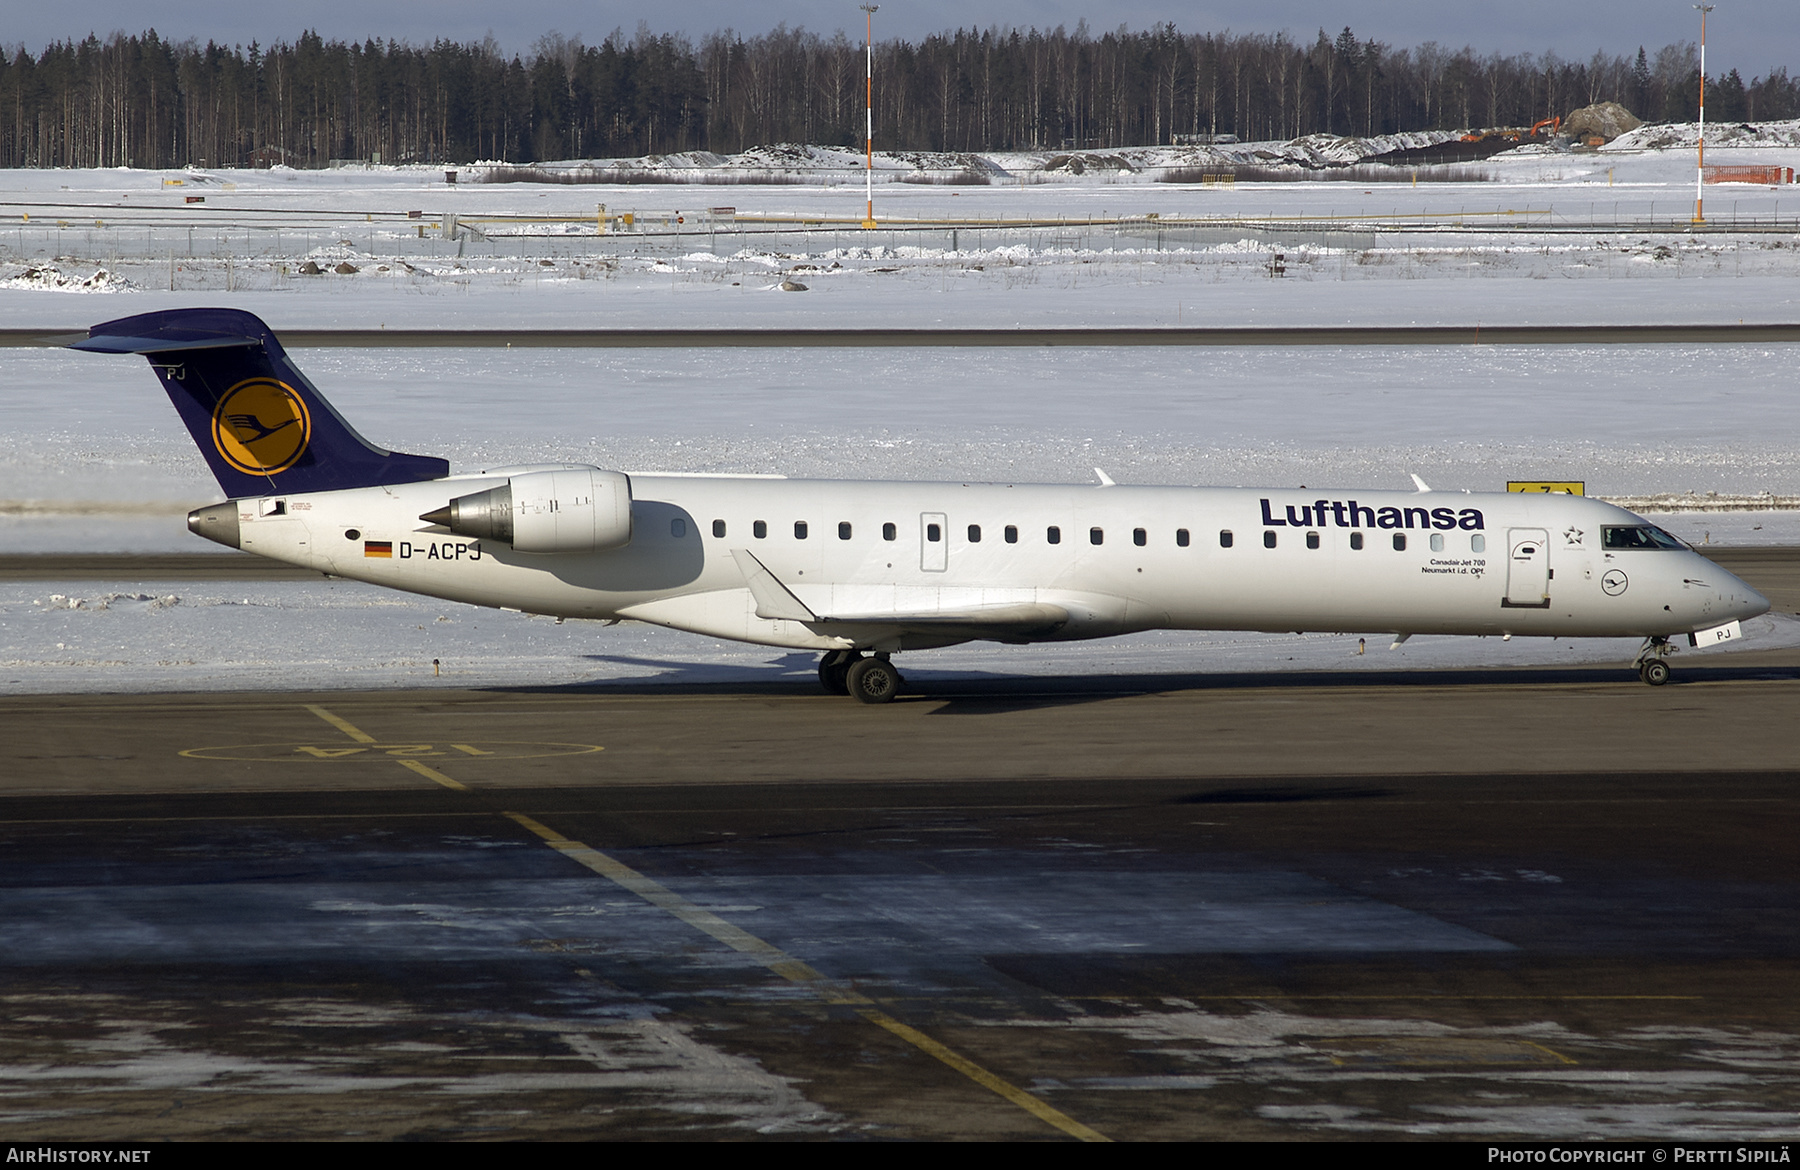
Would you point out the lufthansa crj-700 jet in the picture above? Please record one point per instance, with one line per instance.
(863, 570)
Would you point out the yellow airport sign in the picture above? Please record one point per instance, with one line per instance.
(1571, 487)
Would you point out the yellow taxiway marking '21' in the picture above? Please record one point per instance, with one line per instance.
(365, 746)
(313, 752)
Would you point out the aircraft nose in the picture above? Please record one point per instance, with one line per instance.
(1754, 604)
(1742, 600)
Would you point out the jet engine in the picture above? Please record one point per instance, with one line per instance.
(569, 510)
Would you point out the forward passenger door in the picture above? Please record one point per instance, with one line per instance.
(1527, 569)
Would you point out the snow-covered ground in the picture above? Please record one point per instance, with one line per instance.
(87, 471)
(1112, 246)
(1628, 421)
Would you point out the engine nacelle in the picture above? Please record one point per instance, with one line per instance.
(569, 510)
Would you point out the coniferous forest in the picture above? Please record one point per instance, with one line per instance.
(143, 101)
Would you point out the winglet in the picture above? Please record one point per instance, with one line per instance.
(772, 597)
(1105, 479)
(1421, 484)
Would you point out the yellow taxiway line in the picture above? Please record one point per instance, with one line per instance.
(779, 961)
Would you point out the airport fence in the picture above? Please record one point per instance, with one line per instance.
(228, 251)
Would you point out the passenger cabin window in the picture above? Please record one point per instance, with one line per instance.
(974, 534)
(933, 533)
(1636, 536)
(1096, 536)
(1399, 542)
(1139, 537)
(760, 529)
(718, 528)
(1312, 540)
(1437, 542)
(1225, 538)
(1356, 540)
(1478, 543)
(1053, 534)
(799, 530)
(889, 532)
(1012, 534)
(843, 530)
(678, 527)
(1269, 538)
(1181, 538)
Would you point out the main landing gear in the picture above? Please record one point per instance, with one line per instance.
(1653, 662)
(871, 679)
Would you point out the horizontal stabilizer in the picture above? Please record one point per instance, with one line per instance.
(121, 343)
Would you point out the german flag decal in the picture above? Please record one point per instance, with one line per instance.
(378, 548)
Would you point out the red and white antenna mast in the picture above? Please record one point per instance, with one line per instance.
(869, 118)
(1700, 168)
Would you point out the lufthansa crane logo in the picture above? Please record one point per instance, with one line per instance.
(261, 426)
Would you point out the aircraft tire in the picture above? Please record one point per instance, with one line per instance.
(873, 680)
(1656, 672)
(834, 669)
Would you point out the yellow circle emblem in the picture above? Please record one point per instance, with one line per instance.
(260, 426)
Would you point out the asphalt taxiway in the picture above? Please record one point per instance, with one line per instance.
(1469, 904)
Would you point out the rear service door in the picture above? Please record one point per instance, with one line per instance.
(1527, 569)
(934, 542)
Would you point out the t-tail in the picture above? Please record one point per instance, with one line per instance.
(263, 428)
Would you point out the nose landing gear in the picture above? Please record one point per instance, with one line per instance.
(1652, 662)
(868, 679)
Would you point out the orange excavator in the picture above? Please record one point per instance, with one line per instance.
(1514, 134)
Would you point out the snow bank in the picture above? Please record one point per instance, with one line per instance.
(49, 278)
(1686, 135)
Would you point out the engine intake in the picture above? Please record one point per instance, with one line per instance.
(574, 510)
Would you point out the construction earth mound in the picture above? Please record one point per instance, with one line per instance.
(1605, 120)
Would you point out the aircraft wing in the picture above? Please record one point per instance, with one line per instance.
(1022, 618)
(775, 600)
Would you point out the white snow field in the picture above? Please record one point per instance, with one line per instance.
(93, 459)
(120, 472)
(1550, 237)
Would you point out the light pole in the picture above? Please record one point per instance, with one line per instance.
(1700, 166)
(869, 118)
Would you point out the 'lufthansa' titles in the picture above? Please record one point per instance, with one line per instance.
(1350, 514)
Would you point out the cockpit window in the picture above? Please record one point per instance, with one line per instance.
(1636, 536)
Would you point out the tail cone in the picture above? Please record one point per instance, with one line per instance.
(217, 523)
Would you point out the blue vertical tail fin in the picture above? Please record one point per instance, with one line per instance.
(263, 428)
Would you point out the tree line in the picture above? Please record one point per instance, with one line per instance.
(145, 101)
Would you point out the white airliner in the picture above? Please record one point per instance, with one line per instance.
(863, 570)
